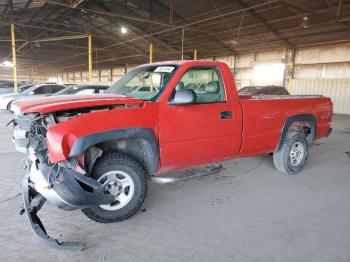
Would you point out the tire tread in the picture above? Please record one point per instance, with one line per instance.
(118, 158)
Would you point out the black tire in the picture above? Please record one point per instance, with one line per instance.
(123, 163)
(282, 159)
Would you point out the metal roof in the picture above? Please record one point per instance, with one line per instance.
(214, 27)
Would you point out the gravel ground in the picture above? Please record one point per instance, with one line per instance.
(247, 212)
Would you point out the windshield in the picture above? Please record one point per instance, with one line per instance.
(30, 89)
(68, 91)
(145, 82)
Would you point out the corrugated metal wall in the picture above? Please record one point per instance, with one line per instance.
(337, 89)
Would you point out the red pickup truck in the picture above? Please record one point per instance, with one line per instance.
(97, 152)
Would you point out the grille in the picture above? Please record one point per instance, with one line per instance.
(24, 122)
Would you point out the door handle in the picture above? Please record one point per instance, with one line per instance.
(226, 115)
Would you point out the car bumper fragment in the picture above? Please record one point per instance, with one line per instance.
(64, 188)
(32, 203)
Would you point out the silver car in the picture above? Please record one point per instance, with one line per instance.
(35, 91)
(6, 87)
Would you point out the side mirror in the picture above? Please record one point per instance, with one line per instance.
(31, 93)
(183, 97)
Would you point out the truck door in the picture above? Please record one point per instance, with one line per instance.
(206, 131)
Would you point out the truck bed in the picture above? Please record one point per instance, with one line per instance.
(264, 117)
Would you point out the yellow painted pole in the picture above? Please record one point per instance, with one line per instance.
(90, 57)
(195, 54)
(150, 53)
(290, 84)
(13, 40)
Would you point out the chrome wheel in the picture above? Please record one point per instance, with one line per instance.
(120, 185)
(296, 154)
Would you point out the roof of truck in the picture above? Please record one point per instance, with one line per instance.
(181, 62)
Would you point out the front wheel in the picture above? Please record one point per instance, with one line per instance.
(123, 178)
(291, 157)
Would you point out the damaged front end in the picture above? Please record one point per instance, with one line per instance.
(63, 184)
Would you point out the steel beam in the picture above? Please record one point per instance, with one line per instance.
(59, 38)
(300, 8)
(90, 57)
(14, 57)
(262, 20)
(140, 19)
(150, 52)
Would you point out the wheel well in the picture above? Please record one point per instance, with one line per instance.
(137, 148)
(302, 126)
(8, 107)
(301, 123)
(138, 143)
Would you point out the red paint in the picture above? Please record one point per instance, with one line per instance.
(65, 102)
(188, 135)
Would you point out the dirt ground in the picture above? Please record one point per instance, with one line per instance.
(247, 212)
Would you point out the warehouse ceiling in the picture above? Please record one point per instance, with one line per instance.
(51, 34)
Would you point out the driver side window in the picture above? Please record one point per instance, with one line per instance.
(206, 83)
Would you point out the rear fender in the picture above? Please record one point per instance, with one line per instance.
(311, 119)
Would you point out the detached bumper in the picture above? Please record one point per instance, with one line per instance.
(32, 203)
(67, 189)
(62, 187)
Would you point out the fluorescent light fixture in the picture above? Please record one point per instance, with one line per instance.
(6, 64)
(305, 22)
(269, 72)
(123, 30)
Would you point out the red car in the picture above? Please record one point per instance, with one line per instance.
(97, 152)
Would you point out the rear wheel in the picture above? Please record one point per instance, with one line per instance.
(292, 155)
(123, 178)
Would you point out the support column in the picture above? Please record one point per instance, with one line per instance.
(90, 57)
(150, 52)
(13, 41)
(290, 67)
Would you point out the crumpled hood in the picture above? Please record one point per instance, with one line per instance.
(66, 102)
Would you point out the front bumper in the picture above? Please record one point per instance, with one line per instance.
(67, 189)
(63, 187)
(32, 203)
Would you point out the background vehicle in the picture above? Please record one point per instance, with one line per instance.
(37, 90)
(96, 153)
(6, 87)
(24, 87)
(83, 89)
(263, 90)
